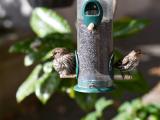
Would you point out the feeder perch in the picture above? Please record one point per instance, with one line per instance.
(94, 55)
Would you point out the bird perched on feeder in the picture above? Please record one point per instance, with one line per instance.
(64, 63)
(129, 62)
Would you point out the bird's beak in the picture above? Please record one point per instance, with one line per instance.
(140, 54)
(143, 53)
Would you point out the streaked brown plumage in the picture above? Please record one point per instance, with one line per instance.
(129, 62)
(64, 62)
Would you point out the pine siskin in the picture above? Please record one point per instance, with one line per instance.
(64, 62)
(129, 62)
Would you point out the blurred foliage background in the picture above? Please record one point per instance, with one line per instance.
(51, 30)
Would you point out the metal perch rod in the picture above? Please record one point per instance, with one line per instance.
(116, 77)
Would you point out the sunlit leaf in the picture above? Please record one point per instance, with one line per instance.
(28, 59)
(152, 109)
(32, 57)
(136, 110)
(142, 114)
(45, 21)
(71, 92)
(90, 116)
(124, 107)
(47, 56)
(137, 104)
(126, 27)
(48, 67)
(123, 116)
(67, 86)
(46, 85)
(153, 117)
(101, 104)
(125, 112)
(28, 86)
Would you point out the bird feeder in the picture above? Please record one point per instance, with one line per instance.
(94, 56)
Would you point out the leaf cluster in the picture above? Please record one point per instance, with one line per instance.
(52, 30)
(136, 110)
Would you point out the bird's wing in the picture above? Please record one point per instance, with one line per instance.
(120, 63)
(57, 64)
(125, 60)
(69, 62)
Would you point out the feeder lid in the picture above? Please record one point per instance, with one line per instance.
(92, 12)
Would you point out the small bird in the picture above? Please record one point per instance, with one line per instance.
(129, 62)
(64, 62)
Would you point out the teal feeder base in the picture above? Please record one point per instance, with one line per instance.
(92, 86)
(93, 90)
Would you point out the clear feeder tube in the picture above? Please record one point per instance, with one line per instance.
(95, 51)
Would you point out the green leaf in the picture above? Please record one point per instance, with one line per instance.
(29, 60)
(47, 56)
(117, 55)
(123, 116)
(136, 110)
(142, 114)
(86, 101)
(40, 50)
(136, 85)
(47, 67)
(28, 86)
(45, 21)
(137, 104)
(71, 92)
(101, 104)
(152, 109)
(67, 86)
(46, 85)
(131, 107)
(124, 107)
(153, 117)
(58, 40)
(126, 27)
(126, 112)
(21, 46)
(90, 116)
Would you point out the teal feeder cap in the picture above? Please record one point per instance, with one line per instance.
(92, 12)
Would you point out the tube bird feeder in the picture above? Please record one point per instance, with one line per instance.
(94, 56)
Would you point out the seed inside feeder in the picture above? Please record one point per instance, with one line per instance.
(94, 51)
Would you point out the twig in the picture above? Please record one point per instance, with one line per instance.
(68, 76)
(116, 77)
(119, 77)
